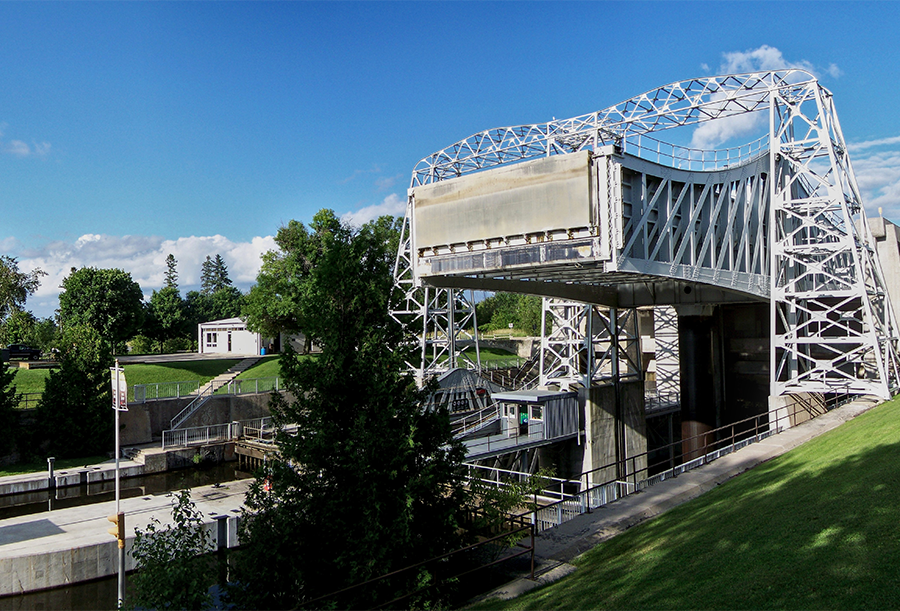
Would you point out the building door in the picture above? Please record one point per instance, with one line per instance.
(523, 420)
(229, 341)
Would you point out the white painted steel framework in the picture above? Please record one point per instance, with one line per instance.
(588, 345)
(778, 219)
(439, 318)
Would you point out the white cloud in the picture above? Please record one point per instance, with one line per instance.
(144, 257)
(383, 184)
(859, 146)
(19, 148)
(710, 134)
(392, 205)
(878, 175)
(761, 58)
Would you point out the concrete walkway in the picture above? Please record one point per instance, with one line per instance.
(557, 546)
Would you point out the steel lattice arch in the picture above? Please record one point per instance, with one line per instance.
(598, 209)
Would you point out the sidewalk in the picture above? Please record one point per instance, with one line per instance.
(557, 546)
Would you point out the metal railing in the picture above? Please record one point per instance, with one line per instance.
(257, 428)
(200, 435)
(446, 568)
(476, 421)
(656, 401)
(177, 390)
(251, 386)
(203, 395)
(507, 363)
(253, 428)
(686, 158)
(633, 472)
(28, 400)
(164, 390)
(506, 441)
(552, 487)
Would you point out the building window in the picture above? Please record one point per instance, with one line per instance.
(211, 340)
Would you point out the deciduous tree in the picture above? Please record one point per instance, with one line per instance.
(172, 571)
(107, 300)
(369, 482)
(166, 317)
(16, 286)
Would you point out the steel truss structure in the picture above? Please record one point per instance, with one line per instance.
(439, 318)
(833, 325)
(777, 219)
(588, 345)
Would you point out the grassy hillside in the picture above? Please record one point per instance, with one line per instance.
(816, 528)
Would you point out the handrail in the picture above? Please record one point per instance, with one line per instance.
(482, 418)
(203, 395)
(597, 495)
(436, 563)
(254, 427)
(239, 386)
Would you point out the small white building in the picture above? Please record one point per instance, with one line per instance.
(229, 336)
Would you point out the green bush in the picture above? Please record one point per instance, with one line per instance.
(141, 344)
(176, 344)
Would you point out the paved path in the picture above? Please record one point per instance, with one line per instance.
(557, 546)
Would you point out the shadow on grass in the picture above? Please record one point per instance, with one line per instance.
(817, 528)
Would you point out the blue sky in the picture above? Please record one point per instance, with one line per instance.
(131, 130)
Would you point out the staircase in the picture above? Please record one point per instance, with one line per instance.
(209, 389)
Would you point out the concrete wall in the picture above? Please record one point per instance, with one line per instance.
(54, 568)
(601, 426)
(145, 422)
(523, 347)
(887, 242)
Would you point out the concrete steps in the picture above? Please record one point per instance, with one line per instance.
(206, 391)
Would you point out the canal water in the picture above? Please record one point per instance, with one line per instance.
(28, 503)
(100, 594)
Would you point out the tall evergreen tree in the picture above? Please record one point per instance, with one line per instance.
(207, 276)
(74, 410)
(171, 272)
(369, 482)
(220, 273)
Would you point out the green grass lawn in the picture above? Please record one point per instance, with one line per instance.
(266, 367)
(816, 528)
(30, 380)
(490, 354)
(60, 465)
(182, 371)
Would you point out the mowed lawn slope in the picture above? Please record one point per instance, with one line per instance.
(817, 528)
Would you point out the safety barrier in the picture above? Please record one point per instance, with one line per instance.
(177, 390)
(633, 471)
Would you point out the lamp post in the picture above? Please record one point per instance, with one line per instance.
(120, 398)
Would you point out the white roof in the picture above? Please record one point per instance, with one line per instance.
(532, 396)
(225, 322)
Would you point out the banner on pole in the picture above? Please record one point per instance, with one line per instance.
(119, 389)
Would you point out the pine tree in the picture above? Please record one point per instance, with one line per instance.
(207, 276)
(171, 272)
(220, 274)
